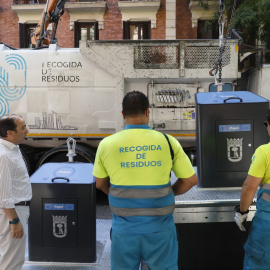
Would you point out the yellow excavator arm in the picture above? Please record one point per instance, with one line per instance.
(53, 10)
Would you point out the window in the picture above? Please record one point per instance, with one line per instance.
(207, 30)
(137, 30)
(85, 31)
(25, 31)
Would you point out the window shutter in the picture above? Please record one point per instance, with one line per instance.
(23, 35)
(96, 31)
(146, 30)
(76, 34)
(126, 30)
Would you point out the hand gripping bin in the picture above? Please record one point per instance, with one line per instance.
(229, 128)
(62, 224)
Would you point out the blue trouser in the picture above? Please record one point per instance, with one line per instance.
(158, 250)
(257, 247)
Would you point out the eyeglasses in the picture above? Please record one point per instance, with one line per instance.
(265, 124)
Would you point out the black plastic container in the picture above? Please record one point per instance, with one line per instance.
(62, 224)
(229, 128)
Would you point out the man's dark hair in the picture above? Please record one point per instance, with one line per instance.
(8, 123)
(135, 103)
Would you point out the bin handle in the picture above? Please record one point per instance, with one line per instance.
(241, 100)
(64, 178)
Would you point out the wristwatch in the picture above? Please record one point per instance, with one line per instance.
(16, 220)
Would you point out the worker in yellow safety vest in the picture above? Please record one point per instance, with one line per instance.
(257, 247)
(133, 166)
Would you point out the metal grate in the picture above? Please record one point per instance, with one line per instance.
(156, 57)
(205, 57)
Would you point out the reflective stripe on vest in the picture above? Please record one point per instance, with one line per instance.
(129, 212)
(265, 195)
(136, 193)
(140, 193)
(263, 206)
(266, 186)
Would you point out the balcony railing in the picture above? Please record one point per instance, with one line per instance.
(31, 2)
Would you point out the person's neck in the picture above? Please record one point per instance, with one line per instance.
(136, 121)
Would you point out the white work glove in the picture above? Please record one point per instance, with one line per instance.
(240, 218)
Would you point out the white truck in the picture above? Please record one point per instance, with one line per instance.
(258, 81)
(77, 92)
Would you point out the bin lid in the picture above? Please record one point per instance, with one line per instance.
(228, 97)
(68, 173)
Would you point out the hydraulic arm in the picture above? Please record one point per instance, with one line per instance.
(52, 12)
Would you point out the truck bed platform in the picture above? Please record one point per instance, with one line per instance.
(204, 206)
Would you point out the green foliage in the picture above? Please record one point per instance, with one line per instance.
(246, 21)
(204, 4)
(251, 18)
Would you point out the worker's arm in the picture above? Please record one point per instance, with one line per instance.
(248, 191)
(247, 194)
(16, 229)
(103, 184)
(182, 185)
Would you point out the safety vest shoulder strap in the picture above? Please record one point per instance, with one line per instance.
(171, 150)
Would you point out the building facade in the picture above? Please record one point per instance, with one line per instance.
(108, 20)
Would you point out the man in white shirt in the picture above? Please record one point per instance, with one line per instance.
(15, 193)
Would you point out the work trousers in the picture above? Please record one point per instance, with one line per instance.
(257, 247)
(158, 250)
(12, 251)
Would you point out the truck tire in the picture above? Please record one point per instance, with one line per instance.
(84, 153)
(30, 156)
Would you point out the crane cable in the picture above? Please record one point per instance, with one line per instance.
(217, 66)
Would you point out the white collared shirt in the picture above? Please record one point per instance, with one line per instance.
(15, 183)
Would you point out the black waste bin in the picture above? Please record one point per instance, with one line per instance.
(62, 224)
(229, 128)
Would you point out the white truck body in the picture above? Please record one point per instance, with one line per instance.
(259, 81)
(78, 92)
